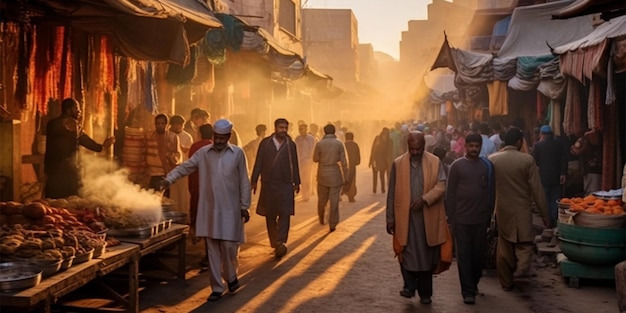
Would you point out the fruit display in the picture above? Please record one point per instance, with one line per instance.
(37, 246)
(47, 230)
(593, 205)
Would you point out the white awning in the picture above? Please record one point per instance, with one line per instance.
(613, 28)
(532, 29)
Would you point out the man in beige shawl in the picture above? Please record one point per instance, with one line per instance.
(414, 209)
(517, 186)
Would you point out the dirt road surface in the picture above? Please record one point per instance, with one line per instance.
(353, 270)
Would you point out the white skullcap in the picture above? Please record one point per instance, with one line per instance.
(222, 127)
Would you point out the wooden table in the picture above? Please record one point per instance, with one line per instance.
(128, 252)
(52, 288)
(176, 234)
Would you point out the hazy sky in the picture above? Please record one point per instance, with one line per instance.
(381, 22)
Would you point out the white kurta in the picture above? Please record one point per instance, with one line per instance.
(224, 191)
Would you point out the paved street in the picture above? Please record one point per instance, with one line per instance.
(353, 270)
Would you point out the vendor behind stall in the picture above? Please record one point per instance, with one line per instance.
(162, 152)
(64, 135)
(589, 148)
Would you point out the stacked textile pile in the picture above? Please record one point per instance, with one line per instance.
(133, 153)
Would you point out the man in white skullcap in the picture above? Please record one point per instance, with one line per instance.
(224, 190)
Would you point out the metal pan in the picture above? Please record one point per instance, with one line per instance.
(19, 275)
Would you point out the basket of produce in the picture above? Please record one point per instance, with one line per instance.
(19, 275)
(83, 256)
(564, 203)
(99, 250)
(591, 211)
(48, 267)
(67, 263)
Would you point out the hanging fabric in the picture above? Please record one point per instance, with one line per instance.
(150, 95)
(555, 117)
(572, 123)
(498, 98)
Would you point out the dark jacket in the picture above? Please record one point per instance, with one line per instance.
(62, 141)
(550, 155)
(279, 172)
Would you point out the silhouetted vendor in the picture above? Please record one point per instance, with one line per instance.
(64, 135)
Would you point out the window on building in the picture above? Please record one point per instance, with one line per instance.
(287, 17)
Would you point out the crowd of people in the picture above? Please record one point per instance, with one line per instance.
(437, 179)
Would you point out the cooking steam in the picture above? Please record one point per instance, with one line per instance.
(107, 184)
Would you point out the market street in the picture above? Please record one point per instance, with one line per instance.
(353, 270)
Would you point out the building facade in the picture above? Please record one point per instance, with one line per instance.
(281, 18)
(367, 63)
(331, 44)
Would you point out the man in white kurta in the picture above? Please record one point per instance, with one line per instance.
(223, 204)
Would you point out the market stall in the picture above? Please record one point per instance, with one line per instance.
(51, 289)
(51, 247)
(592, 235)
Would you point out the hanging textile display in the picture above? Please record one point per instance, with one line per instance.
(183, 75)
(581, 63)
(149, 90)
(19, 42)
(101, 77)
(48, 55)
(205, 73)
(573, 112)
(554, 110)
(134, 79)
(163, 88)
(591, 107)
(609, 148)
(498, 98)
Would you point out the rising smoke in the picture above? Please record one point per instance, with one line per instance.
(107, 184)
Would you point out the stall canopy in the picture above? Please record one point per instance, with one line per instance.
(613, 28)
(155, 30)
(608, 8)
(532, 29)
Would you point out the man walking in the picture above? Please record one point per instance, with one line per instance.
(331, 173)
(488, 146)
(305, 144)
(253, 146)
(518, 186)
(354, 159)
(206, 138)
(223, 204)
(416, 216)
(550, 156)
(277, 164)
(469, 206)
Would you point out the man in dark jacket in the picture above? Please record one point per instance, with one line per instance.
(63, 136)
(551, 158)
(277, 164)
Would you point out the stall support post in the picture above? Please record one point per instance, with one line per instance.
(182, 260)
(133, 284)
(10, 160)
